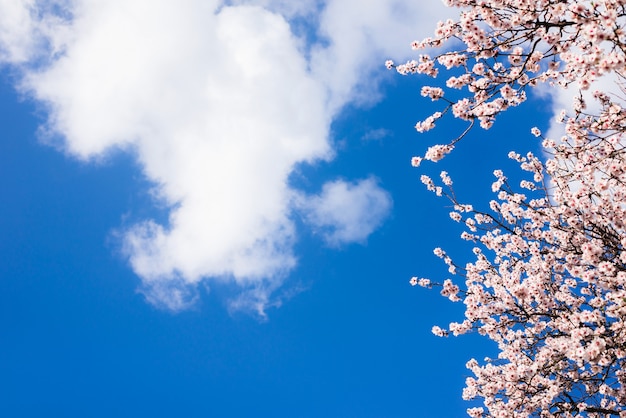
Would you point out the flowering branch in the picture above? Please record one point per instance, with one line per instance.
(548, 284)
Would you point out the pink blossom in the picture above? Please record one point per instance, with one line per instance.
(437, 152)
(547, 282)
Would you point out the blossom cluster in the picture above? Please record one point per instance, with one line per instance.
(548, 285)
(548, 280)
(512, 45)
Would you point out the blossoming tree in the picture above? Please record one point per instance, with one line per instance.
(548, 283)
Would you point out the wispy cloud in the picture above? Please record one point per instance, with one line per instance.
(376, 134)
(219, 101)
(347, 212)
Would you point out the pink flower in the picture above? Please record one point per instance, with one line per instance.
(547, 281)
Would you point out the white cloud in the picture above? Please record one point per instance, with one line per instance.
(26, 31)
(16, 28)
(219, 103)
(287, 8)
(563, 99)
(347, 212)
(361, 35)
(376, 134)
(175, 295)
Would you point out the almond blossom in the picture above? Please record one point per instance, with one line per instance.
(548, 285)
(547, 282)
(511, 46)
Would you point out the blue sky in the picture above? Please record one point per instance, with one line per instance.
(209, 211)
